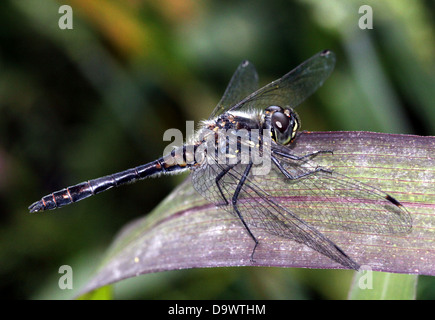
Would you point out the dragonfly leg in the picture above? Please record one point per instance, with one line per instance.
(236, 209)
(309, 155)
(219, 177)
(289, 176)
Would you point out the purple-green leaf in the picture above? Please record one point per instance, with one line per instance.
(186, 231)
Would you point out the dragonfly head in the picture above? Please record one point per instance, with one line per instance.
(283, 124)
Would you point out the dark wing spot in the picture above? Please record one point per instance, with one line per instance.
(392, 200)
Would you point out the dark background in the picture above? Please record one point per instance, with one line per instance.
(82, 103)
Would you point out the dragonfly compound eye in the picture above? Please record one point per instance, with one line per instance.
(284, 125)
(280, 122)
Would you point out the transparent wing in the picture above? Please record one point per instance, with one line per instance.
(297, 208)
(243, 83)
(259, 209)
(334, 201)
(294, 87)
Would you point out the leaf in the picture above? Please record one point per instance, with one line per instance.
(186, 231)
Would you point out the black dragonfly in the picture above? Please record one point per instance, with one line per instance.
(226, 176)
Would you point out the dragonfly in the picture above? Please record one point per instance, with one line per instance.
(295, 197)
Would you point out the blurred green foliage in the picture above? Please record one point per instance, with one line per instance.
(82, 103)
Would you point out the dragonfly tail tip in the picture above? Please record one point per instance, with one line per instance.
(36, 206)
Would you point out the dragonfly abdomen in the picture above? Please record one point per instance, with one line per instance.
(92, 187)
